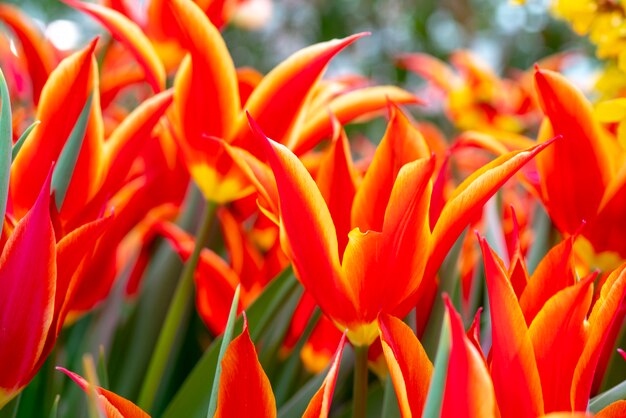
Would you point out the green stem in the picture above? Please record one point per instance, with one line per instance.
(359, 396)
(175, 315)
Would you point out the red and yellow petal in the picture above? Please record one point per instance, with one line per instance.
(278, 101)
(409, 366)
(131, 35)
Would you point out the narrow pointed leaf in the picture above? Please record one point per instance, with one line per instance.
(20, 142)
(437, 388)
(226, 339)
(6, 142)
(69, 156)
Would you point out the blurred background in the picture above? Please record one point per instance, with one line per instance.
(504, 34)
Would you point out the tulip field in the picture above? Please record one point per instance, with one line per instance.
(206, 214)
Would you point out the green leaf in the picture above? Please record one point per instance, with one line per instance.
(192, 402)
(54, 411)
(103, 375)
(272, 340)
(390, 401)
(6, 143)
(18, 145)
(228, 336)
(434, 399)
(67, 160)
(289, 373)
(617, 393)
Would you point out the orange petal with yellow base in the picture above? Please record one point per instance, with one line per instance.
(308, 232)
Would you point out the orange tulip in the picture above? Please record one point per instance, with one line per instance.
(582, 178)
(282, 101)
(536, 367)
(389, 234)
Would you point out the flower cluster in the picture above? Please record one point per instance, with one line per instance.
(476, 275)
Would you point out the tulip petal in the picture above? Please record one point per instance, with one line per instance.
(336, 179)
(308, 234)
(320, 403)
(278, 101)
(207, 80)
(554, 272)
(347, 107)
(114, 405)
(405, 233)
(558, 334)
(603, 315)
(513, 367)
(244, 390)
(401, 144)
(127, 140)
(38, 51)
(580, 165)
(469, 390)
(27, 273)
(409, 366)
(470, 196)
(70, 83)
(127, 32)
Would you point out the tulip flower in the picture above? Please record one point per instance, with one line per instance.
(280, 101)
(389, 223)
(595, 193)
(538, 367)
(34, 266)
